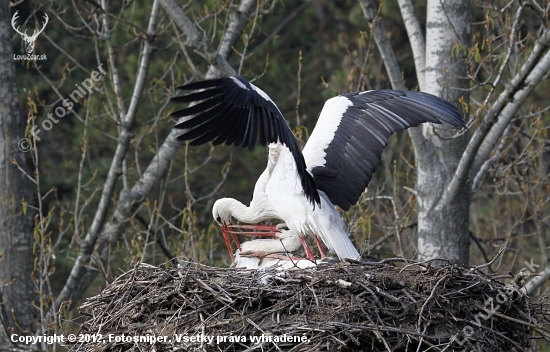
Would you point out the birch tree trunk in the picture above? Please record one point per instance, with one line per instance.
(449, 169)
(17, 289)
(443, 222)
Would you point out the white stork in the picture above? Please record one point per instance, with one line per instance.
(263, 253)
(303, 188)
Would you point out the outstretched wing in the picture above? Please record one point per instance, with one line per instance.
(345, 147)
(234, 111)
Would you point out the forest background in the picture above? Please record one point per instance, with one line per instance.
(300, 53)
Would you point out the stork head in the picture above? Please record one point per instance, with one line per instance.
(221, 211)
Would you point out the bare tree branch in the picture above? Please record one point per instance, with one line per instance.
(153, 234)
(506, 115)
(489, 162)
(128, 120)
(238, 20)
(501, 112)
(538, 281)
(416, 38)
(115, 78)
(131, 199)
(390, 61)
(194, 35)
(383, 43)
(199, 41)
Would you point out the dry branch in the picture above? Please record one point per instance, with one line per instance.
(342, 307)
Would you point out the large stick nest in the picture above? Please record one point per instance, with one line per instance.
(349, 306)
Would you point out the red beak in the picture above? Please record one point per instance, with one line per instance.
(227, 243)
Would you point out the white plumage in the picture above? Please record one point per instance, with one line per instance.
(319, 140)
(278, 195)
(285, 194)
(259, 254)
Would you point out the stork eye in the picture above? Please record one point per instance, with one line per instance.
(219, 219)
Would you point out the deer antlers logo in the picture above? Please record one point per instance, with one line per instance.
(29, 40)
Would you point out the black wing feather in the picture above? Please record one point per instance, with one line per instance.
(251, 132)
(365, 126)
(263, 128)
(242, 128)
(237, 130)
(195, 109)
(214, 132)
(205, 116)
(233, 111)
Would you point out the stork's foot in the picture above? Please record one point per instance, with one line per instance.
(321, 250)
(309, 253)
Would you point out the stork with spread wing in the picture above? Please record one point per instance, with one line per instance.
(303, 188)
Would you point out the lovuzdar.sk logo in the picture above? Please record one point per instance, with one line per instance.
(29, 39)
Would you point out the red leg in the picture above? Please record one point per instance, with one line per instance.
(236, 240)
(254, 234)
(321, 250)
(255, 227)
(309, 254)
(227, 243)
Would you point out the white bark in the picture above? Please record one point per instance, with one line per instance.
(537, 281)
(383, 44)
(195, 38)
(115, 78)
(489, 162)
(523, 92)
(238, 20)
(416, 38)
(390, 61)
(508, 102)
(442, 225)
